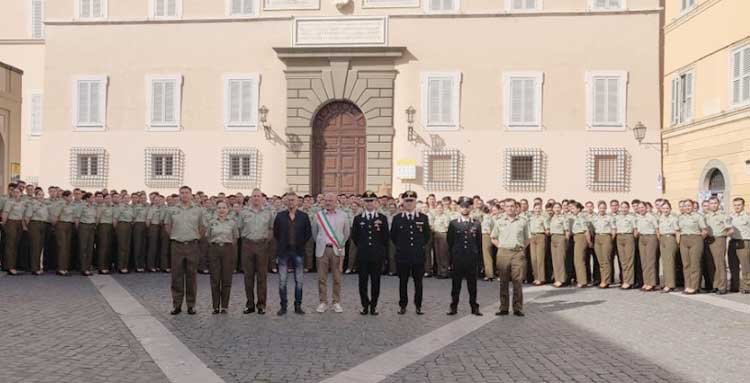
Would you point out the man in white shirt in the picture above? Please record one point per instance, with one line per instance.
(330, 229)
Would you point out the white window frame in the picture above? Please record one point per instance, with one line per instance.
(538, 91)
(163, 181)
(251, 180)
(678, 106)
(592, 6)
(687, 8)
(455, 9)
(36, 116)
(622, 181)
(537, 181)
(457, 169)
(88, 126)
(32, 33)
(100, 155)
(732, 103)
(456, 102)
(77, 11)
(621, 124)
(164, 127)
(256, 10)
(509, 7)
(152, 11)
(229, 125)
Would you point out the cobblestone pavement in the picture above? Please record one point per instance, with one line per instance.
(61, 329)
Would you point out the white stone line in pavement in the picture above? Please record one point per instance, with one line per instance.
(380, 367)
(718, 302)
(178, 363)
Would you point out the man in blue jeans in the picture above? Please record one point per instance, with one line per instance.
(291, 230)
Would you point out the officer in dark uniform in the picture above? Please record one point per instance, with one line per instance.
(409, 233)
(370, 235)
(465, 249)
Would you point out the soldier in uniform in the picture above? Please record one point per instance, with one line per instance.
(165, 248)
(85, 222)
(13, 211)
(625, 227)
(123, 220)
(465, 246)
(222, 237)
(185, 224)
(604, 232)
(646, 225)
(692, 232)
(104, 228)
(668, 235)
(410, 232)
(153, 229)
(370, 234)
(37, 219)
(256, 226)
(511, 238)
(140, 211)
(739, 247)
(559, 229)
(64, 221)
(538, 229)
(581, 242)
(719, 229)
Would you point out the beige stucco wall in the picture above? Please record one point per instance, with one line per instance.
(718, 135)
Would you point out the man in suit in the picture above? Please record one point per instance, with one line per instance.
(370, 235)
(465, 246)
(409, 233)
(291, 230)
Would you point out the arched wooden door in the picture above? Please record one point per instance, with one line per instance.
(339, 149)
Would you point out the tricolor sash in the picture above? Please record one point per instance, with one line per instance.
(329, 231)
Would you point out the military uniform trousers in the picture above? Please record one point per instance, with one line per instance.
(64, 237)
(717, 246)
(332, 262)
(739, 257)
(626, 254)
(489, 265)
(511, 267)
(139, 244)
(415, 271)
(429, 265)
(255, 257)
(165, 249)
(392, 265)
(86, 235)
(184, 272)
(441, 253)
(463, 270)
(580, 247)
(104, 246)
(369, 270)
(50, 249)
(648, 245)
(538, 248)
(123, 231)
(203, 259)
(37, 232)
(12, 233)
(603, 251)
(221, 260)
(154, 232)
(559, 245)
(691, 251)
(668, 250)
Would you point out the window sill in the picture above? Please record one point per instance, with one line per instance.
(606, 128)
(241, 128)
(163, 128)
(523, 128)
(89, 128)
(441, 128)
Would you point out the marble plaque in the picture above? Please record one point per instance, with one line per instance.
(340, 31)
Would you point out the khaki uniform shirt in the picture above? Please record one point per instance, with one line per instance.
(646, 223)
(256, 225)
(559, 224)
(741, 225)
(225, 231)
(717, 223)
(68, 213)
(487, 223)
(668, 224)
(477, 215)
(37, 211)
(440, 222)
(513, 234)
(579, 224)
(15, 209)
(153, 215)
(186, 222)
(123, 213)
(603, 224)
(691, 224)
(625, 223)
(105, 214)
(140, 213)
(87, 213)
(538, 224)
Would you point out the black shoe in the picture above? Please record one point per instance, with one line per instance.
(261, 312)
(298, 310)
(519, 313)
(419, 311)
(191, 311)
(475, 311)
(364, 311)
(216, 311)
(453, 311)
(223, 311)
(282, 311)
(175, 311)
(249, 310)
(402, 311)
(721, 292)
(374, 310)
(442, 277)
(427, 275)
(502, 313)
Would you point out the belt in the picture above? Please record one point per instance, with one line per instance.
(667, 235)
(255, 240)
(38, 221)
(604, 234)
(220, 244)
(185, 242)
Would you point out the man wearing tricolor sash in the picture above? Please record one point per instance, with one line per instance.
(330, 229)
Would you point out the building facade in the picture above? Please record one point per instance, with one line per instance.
(707, 99)
(11, 88)
(507, 98)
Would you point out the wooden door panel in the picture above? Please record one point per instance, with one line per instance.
(339, 149)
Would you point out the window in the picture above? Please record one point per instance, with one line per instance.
(524, 169)
(686, 5)
(608, 169)
(90, 95)
(92, 9)
(164, 100)
(435, 6)
(682, 98)
(242, 7)
(164, 167)
(741, 76)
(443, 169)
(523, 5)
(390, 3)
(606, 100)
(166, 8)
(606, 5)
(440, 100)
(241, 102)
(37, 103)
(88, 167)
(240, 167)
(37, 19)
(523, 100)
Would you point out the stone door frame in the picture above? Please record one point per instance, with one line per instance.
(363, 76)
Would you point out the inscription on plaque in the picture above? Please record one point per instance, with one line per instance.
(341, 31)
(290, 4)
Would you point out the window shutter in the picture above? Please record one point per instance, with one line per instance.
(446, 100)
(157, 99)
(518, 4)
(688, 101)
(171, 8)
(600, 99)
(96, 10)
(36, 114)
(248, 7)
(530, 4)
(447, 5)
(434, 101)
(529, 101)
(169, 101)
(675, 100)
(83, 102)
(613, 102)
(246, 101)
(436, 5)
(234, 100)
(516, 101)
(95, 107)
(37, 19)
(85, 8)
(746, 75)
